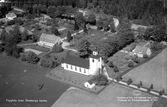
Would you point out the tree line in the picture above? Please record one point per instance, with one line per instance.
(150, 11)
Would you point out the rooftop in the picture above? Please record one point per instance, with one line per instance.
(76, 61)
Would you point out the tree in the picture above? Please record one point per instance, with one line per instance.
(69, 37)
(106, 25)
(80, 20)
(54, 30)
(145, 56)
(10, 46)
(161, 92)
(130, 64)
(83, 48)
(116, 69)
(57, 48)
(124, 27)
(99, 24)
(129, 81)
(76, 27)
(151, 86)
(24, 35)
(32, 57)
(118, 78)
(112, 27)
(4, 36)
(1, 48)
(91, 19)
(139, 85)
(156, 46)
(46, 63)
(16, 33)
(85, 28)
(110, 64)
(23, 57)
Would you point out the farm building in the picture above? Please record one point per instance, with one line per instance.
(49, 40)
(10, 16)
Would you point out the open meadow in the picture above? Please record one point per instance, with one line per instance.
(112, 96)
(153, 72)
(27, 83)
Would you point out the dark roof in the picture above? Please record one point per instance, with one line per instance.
(91, 81)
(76, 61)
(95, 56)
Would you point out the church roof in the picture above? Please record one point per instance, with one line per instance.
(76, 61)
(95, 56)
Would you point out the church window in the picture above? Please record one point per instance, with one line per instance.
(80, 69)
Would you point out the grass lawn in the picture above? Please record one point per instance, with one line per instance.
(37, 47)
(93, 36)
(72, 78)
(20, 80)
(107, 98)
(153, 72)
(162, 102)
(26, 42)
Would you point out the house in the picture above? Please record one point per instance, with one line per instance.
(10, 16)
(140, 50)
(49, 40)
(90, 84)
(2, 1)
(89, 66)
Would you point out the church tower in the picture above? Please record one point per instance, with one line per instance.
(95, 62)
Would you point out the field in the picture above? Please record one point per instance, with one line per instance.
(153, 72)
(107, 98)
(23, 81)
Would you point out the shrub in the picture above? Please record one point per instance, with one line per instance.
(116, 69)
(110, 64)
(139, 85)
(161, 92)
(129, 81)
(100, 79)
(46, 63)
(54, 64)
(130, 64)
(32, 57)
(57, 48)
(136, 60)
(156, 46)
(69, 37)
(145, 56)
(151, 86)
(23, 57)
(119, 77)
(1, 48)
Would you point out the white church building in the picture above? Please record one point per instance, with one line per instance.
(89, 66)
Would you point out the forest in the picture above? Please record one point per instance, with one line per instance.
(149, 11)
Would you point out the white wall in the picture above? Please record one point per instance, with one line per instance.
(64, 65)
(148, 52)
(45, 44)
